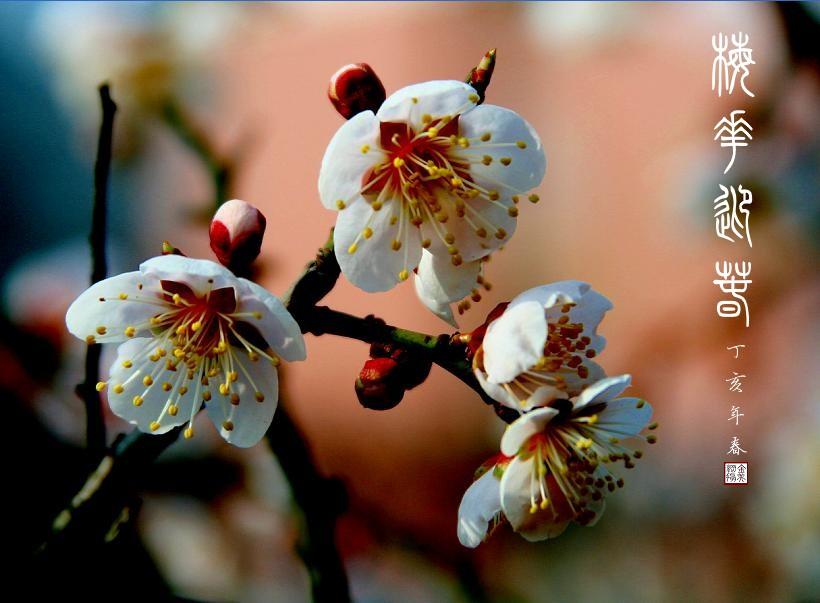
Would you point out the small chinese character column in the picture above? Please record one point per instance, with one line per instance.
(730, 69)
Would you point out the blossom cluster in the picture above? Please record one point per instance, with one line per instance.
(556, 459)
(430, 182)
(427, 181)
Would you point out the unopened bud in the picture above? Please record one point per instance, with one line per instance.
(236, 234)
(356, 88)
(412, 369)
(168, 249)
(379, 385)
(479, 76)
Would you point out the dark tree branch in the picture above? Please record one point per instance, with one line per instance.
(441, 349)
(95, 510)
(319, 501)
(95, 424)
(317, 280)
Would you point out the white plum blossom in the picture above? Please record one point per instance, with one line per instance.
(541, 347)
(431, 170)
(480, 508)
(439, 283)
(554, 464)
(190, 332)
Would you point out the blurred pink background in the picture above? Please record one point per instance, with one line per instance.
(620, 95)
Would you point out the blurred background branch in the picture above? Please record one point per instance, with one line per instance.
(95, 424)
(318, 501)
(220, 169)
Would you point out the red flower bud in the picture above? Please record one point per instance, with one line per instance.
(236, 234)
(479, 77)
(382, 350)
(412, 369)
(379, 386)
(168, 249)
(356, 88)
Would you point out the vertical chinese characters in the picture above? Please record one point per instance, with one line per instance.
(732, 211)
(733, 131)
(734, 282)
(732, 214)
(737, 61)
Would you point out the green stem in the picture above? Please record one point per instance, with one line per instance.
(440, 349)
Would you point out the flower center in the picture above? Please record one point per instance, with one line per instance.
(197, 327)
(419, 163)
(195, 339)
(563, 359)
(565, 349)
(427, 172)
(569, 473)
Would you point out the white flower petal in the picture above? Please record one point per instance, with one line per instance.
(491, 216)
(542, 526)
(437, 98)
(201, 276)
(526, 166)
(88, 313)
(277, 326)
(553, 294)
(622, 416)
(575, 384)
(439, 283)
(444, 281)
(597, 507)
(480, 504)
(154, 400)
(602, 391)
(497, 391)
(543, 395)
(516, 503)
(250, 419)
(374, 265)
(440, 309)
(514, 342)
(523, 428)
(345, 165)
(588, 310)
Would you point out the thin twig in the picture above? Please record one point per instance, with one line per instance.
(319, 501)
(321, 320)
(95, 510)
(219, 168)
(95, 425)
(140, 449)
